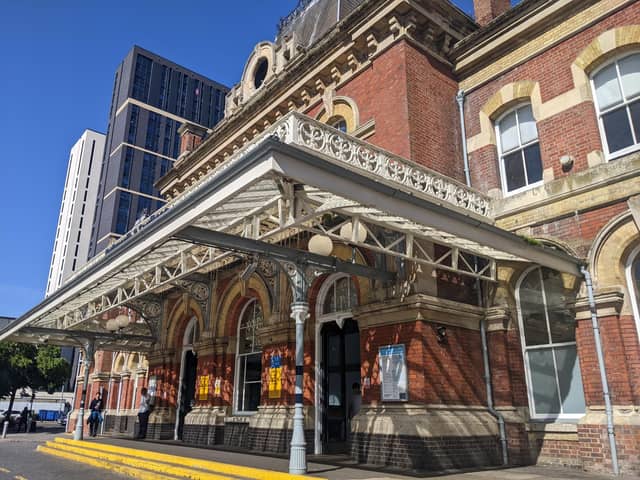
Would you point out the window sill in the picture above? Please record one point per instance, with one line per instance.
(564, 425)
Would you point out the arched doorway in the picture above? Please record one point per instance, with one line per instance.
(188, 372)
(337, 364)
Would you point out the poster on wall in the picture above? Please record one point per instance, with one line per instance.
(217, 387)
(275, 377)
(393, 373)
(203, 387)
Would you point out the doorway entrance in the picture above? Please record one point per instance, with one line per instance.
(341, 383)
(187, 388)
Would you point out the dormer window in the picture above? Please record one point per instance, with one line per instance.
(260, 72)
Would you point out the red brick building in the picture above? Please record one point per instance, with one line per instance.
(489, 170)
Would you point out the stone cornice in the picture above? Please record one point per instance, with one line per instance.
(420, 307)
(608, 304)
(498, 318)
(343, 53)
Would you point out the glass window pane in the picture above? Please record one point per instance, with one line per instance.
(634, 108)
(570, 379)
(528, 130)
(352, 349)
(543, 381)
(508, 132)
(335, 389)
(240, 383)
(254, 367)
(533, 162)
(329, 301)
(607, 87)
(532, 309)
(630, 75)
(251, 397)
(333, 353)
(617, 130)
(514, 170)
(559, 301)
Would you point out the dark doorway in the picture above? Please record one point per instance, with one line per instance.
(341, 367)
(187, 388)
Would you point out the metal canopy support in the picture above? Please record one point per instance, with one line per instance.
(299, 313)
(225, 241)
(88, 352)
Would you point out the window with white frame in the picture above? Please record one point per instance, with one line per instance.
(341, 296)
(633, 282)
(547, 330)
(617, 97)
(519, 149)
(249, 359)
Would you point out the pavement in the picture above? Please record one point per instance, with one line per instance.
(19, 460)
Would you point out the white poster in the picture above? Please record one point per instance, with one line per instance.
(393, 373)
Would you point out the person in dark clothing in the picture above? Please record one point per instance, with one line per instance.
(23, 420)
(143, 413)
(95, 417)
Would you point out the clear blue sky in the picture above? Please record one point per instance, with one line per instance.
(57, 62)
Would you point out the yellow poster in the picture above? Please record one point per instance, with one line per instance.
(275, 377)
(217, 390)
(203, 386)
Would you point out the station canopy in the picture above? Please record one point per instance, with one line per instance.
(297, 178)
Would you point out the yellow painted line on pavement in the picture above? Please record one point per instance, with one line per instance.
(176, 471)
(218, 467)
(94, 462)
(4, 470)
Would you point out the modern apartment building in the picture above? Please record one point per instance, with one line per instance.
(151, 98)
(71, 245)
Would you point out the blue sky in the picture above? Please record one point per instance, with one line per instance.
(58, 60)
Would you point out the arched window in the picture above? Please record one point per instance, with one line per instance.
(249, 359)
(547, 331)
(633, 281)
(339, 297)
(617, 98)
(519, 149)
(339, 123)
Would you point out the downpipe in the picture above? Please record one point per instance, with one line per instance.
(483, 329)
(490, 408)
(603, 372)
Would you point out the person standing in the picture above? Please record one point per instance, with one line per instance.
(95, 407)
(143, 414)
(23, 420)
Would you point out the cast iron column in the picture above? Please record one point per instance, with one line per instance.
(299, 312)
(88, 360)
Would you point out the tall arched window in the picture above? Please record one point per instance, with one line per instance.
(339, 297)
(617, 98)
(547, 331)
(249, 359)
(633, 282)
(519, 149)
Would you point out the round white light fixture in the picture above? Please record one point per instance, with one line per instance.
(122, 320)
(111, 325)
(346, 232)
(320, 245)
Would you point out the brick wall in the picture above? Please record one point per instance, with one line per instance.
(439, 373)
(573, 132)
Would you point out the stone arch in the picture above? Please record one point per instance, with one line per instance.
(182, 312)
(501, 101)
(343, 107)
(119, 362)
(263, 50)
(133, 361)
(607, 45)
(610, 253)
(235, 297)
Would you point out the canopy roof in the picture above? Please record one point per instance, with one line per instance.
(298, 176)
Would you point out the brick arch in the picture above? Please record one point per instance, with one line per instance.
(119, 363)
(233, 300)
(609, 255)
(182, 312)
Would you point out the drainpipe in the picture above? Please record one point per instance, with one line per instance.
(483, 330)
(487, 379)
(603, 373)
(465, 154)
